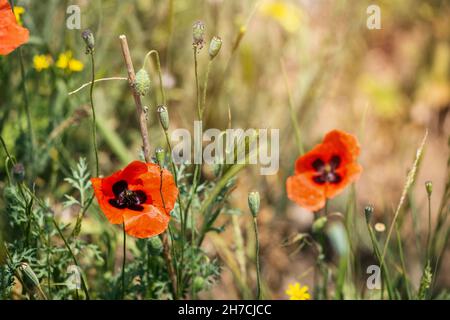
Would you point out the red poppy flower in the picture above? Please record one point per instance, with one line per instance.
(12, 35)
(133, 196)
(325, 171)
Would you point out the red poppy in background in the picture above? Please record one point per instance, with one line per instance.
(12, 35)
(133, 196)
(325, 171)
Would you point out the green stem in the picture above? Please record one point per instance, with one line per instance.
(197, 86)
(158, 67)
(258, 271)
(94, 125)
(83, 283)
(402, 261)
(427, 255)
(205, 87)
(27, 110)
(124, 260)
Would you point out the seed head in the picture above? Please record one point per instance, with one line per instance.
(198, 34)
(89, 39)
(429, 187)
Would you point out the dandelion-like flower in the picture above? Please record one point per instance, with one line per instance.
(12, 34)
(42, 62)
(67, 62)
(325, 171)
(137, 197)
(298, 292)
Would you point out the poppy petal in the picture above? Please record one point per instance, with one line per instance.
(349, 174)
(146, 224)
(12, 35)
(114, 215)
(302, 190)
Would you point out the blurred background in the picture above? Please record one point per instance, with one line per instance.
(387, 86)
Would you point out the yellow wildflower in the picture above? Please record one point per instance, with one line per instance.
(65, 61)
(41, 62)
(18, 11)
(75, 65)
(286, 14)
(298, 292)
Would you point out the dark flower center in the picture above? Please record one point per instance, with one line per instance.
(124, 198)
(326, 172)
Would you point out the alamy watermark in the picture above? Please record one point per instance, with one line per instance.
(232, 146)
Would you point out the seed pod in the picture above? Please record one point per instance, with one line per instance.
(30, 280)
(142, 84)
(163, 117)
(18, 172)
(368, 212)
(160, 156)
(198, 34)
(214, 47)
(254, 202)
(429, 187)
(89, 39)
(319, 224)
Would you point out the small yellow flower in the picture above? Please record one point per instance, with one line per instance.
(75, 65)
(18, 11)
(41, 62)
(65, 61)
(288, 15)
(297, 292)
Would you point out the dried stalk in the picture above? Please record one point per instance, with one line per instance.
(146, 145)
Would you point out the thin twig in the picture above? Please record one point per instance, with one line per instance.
(98, 80)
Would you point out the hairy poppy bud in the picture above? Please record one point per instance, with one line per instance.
(198, 34)
(18, 172)
(89, 39)
(214, 47)
(163, 117)
(142, 84)
(253, 203)
(160, 156)
(319, 224)
(368, 212)
(429, 187)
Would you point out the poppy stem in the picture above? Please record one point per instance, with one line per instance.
(258, 271)
(94, 125)
(124, 260)
(158, 68)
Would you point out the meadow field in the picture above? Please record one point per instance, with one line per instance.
(212, 149)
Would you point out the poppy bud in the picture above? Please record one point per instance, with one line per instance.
(29, 277)
(214, 47)
(163, 117)
(18, 172)
(429, 187)
(160, 156)
(253, 203)
(89, 39)
(142, 84)
(198, 34)
(319, 224)
(368, 211)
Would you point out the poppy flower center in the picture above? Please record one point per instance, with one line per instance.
(125, 198)
(326, 172)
